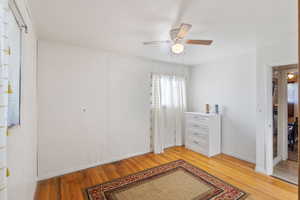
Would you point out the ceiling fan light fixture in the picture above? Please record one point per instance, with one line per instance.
(291, 75)
(177, 48)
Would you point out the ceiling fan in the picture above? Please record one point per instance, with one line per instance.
(177, 41)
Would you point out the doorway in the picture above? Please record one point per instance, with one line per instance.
(285, 122)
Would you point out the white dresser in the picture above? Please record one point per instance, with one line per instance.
(203, 133)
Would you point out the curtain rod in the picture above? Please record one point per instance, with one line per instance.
(169, 74)
(18, 15)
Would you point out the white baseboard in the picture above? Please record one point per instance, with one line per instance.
(90, 165)
(276, 160)
(260, 169)
(238, 156)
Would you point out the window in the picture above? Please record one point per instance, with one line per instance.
(168, 104)
(170, 88)
(293, 93)
(14, 70)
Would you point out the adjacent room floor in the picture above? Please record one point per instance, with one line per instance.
(287, 170)
(293, 155)
(236, 172)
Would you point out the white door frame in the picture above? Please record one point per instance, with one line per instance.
(269, 123)
(269, 120)
(283, 116)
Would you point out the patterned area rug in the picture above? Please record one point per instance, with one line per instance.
(176, 180)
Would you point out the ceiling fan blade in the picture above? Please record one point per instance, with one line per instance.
(183, 30)
(157, 42)
(200, 42)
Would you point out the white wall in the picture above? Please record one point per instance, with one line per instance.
(113, 89)
(22, 143)
(246, 122)
(231, 84)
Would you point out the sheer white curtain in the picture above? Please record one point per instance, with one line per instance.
(5, 52)
(167, 109)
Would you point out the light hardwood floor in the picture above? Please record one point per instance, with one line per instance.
(236, 172)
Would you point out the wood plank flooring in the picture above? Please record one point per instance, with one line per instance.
(236, 172)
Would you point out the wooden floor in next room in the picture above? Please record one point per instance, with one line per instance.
(236, 172)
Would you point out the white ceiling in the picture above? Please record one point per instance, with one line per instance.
(235, 26)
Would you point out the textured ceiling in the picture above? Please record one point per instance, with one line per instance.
(236, 26)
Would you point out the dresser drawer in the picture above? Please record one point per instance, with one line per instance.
(198, 127)
(199, 141)
(197, 119)
(197, 133)
(193, 145)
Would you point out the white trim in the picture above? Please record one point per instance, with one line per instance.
(276, 160)
(268, 144)
(236, 155)
(268, 137)
(95, 164)
(283, 116)
(260, 169)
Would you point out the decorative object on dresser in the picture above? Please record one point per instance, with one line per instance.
(206, 108)
(216, 108)
(203, 133)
